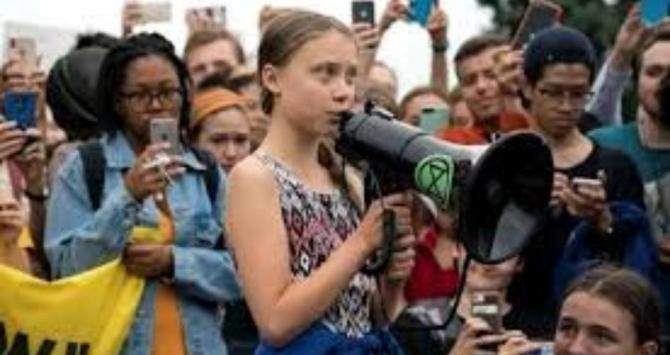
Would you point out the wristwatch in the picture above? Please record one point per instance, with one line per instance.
(440, 47)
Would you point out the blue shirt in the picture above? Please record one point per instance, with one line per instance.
(78, 238)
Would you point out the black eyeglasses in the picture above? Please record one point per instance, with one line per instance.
(142, 99)
(574, 97)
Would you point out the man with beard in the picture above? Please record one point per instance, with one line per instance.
(483, 93)
(647, 141)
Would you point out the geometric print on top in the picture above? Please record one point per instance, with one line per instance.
(317, 224)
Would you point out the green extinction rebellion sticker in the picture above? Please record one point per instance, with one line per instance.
(434, 176)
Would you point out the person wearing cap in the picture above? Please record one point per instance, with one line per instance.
(70, 93)
(220, 125)
(596, 206)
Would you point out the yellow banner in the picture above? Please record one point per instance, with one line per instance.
(86, 314)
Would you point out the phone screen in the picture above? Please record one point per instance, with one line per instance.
(363, 11)
(486, 306)
(215, 16)
(153, 12)
(419, 10)
(23, 48)
(166, 130)
(20, 107)
(653, 11)
(539, 15)
(434, 119)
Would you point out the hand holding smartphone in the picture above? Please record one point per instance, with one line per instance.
(363, 11)
(539, 14)
(586, 182)
(589, 184)
(20, 107)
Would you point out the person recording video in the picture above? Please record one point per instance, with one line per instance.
(23, 151)
(156, 203)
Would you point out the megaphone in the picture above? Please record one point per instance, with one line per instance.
(500, 191)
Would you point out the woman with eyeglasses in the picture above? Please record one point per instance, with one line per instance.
(147, 188)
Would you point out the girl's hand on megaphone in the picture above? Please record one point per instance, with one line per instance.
(402, 259)
(371, 228)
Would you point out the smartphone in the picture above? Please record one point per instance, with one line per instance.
(486, 306)
(539, 15)
(166, 130)
(419, 10)
(215, 15)
(586, 183)
(546, 348)
(23, 48)
(653, 11)
(20, 107)
(432, 120)
(153, 12)
(363, 11)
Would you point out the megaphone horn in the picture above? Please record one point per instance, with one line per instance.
(501, 190)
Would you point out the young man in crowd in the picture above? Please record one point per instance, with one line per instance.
(647, 141)
(482, 93)
(210, 51)
(596, 189)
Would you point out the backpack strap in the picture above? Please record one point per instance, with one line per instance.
(94, 162)
(212, 181)
(211, 174)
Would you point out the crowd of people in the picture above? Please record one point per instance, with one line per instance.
(262, 230)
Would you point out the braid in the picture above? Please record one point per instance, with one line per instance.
(335, 164)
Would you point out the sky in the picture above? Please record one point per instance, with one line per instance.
(405, 47)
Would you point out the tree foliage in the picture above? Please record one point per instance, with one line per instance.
(598, 19)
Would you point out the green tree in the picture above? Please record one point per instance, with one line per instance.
(598, 19)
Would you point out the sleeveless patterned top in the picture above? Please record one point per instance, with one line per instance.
(317, 224)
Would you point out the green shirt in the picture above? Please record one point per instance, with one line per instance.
(653, 166)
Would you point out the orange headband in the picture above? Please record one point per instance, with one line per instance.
(213, 100)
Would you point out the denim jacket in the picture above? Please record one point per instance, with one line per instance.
(78, 238)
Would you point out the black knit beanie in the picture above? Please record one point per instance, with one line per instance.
(557, 45)
(70, 89)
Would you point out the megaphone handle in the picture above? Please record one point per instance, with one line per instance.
(377, 264)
